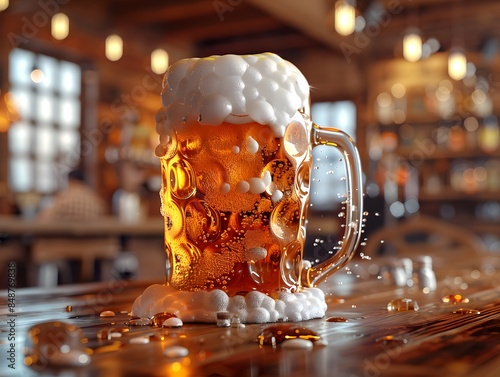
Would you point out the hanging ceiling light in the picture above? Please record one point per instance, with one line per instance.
(345, 17)
(59, 26)
(412, 46)
(159, 61)
(114, 47)
(457, 64)
(4, 4)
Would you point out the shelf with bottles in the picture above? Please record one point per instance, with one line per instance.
(470, 137)
(460, 179)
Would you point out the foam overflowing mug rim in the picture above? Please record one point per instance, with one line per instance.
(235, 89)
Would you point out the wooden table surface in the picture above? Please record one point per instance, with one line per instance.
(433, 341)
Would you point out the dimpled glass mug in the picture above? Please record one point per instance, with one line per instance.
(235, 149)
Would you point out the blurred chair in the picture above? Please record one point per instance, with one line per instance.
(424, 235)
(52, 257)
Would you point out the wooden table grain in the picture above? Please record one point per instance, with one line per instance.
(432, 341)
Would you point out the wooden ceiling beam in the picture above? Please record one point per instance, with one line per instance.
(163, 12)
(229, 29)
(310, 17)
(263, 43)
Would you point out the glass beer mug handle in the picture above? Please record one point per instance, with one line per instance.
(353, 203)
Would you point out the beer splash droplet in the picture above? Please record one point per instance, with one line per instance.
(138, 322)
(176, 351)
(173, 322)
(402, 305)
(337, 319)
(277, 334)
(391, 339)
(107, 313)
(298, 343)
(463, 311)
(454, 299)
(56, 344)
(158, 319)
(140, 340)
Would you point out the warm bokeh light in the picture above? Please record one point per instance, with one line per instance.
(457, 65)
(4, 4)
(159, 61)
(398, 90)
(345, 18)
(412, 47)
(59, 26)
(384, 99)
(114, 47)
(37, 75)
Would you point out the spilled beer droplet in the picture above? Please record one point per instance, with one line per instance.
(56, 344)
(107, 313)
(391, 339)
(117, 332)
(277, 334)
(454, 299)
(298, 343)
(463, 311)
(158, 319)
(337, 319)
(103, 334)
(402, 305)
(138, 322)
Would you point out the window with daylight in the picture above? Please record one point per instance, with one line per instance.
(327, 182)
(46, 138)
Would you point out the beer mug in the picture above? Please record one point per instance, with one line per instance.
(235, 148)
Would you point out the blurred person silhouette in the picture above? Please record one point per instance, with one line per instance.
(71, 258)
(77, 202)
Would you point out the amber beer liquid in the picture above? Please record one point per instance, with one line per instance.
(235, 150)
(232, 200)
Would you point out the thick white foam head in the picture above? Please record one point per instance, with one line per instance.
(255, 307)
(262, 88)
